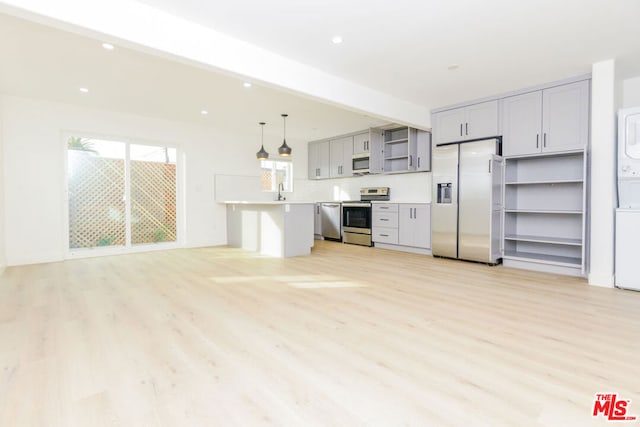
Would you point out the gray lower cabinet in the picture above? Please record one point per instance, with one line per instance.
(414, 225)
(318, 160)
(546, 121)
(402, 226)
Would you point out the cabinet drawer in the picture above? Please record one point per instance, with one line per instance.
(385, 219)
(385, 235)
(384, 207)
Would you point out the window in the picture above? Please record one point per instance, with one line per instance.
(120, 194)
(276, 172)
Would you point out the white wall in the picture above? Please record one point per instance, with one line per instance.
(408, 188)
(34, 184)
(631, 92)
(3, 261)
(603, 172)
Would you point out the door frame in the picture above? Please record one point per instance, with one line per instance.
(128, 248)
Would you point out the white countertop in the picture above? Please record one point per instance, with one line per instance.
(401, 203)
(267, 202)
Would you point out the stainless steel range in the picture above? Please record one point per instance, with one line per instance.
(356, 216)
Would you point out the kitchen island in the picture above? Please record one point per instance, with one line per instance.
(278, 229)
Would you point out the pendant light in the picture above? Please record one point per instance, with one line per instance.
(284, 150)
(262, 154)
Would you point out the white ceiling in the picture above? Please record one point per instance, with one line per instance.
(402, 48)
(46, 63)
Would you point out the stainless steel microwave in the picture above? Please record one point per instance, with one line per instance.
(360, 163)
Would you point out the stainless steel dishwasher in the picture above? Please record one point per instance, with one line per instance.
(331, 214)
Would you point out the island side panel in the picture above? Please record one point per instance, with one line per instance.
(272, 230)
(256, 227)
(298, 229)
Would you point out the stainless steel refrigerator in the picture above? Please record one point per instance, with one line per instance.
(466, 217)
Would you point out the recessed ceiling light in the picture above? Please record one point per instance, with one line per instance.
(336, 39)
(108, 46)
(246, 84)
(204, 112)
(453, 67)
(84, 90)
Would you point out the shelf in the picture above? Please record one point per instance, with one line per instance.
(397, 141)
(396, 157)
(544, 259)
(542, 211)
(544, 239)
(557, 181)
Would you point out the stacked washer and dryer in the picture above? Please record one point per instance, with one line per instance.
(627, 264)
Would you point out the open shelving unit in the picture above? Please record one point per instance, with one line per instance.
(398, 152)
(545, 209)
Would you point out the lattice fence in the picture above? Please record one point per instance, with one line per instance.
(96, 201)
(97, 204)
(153, 202)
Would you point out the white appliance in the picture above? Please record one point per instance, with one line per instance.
(629, 158)
(466, 221)
(627, 267)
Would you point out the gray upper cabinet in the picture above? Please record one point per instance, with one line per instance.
(341, 153)
(318, 160)
(521, 124)
(546, 121)
(375, 151)
(361, 143)
(423, 151)
(466, 123)
(565, 117)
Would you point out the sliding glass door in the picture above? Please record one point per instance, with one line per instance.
(120, 194)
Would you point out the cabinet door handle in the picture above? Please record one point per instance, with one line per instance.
(410, 160)
(544, 139)
(384, 235)
(384, 219)
(466, 128)
(415, 213)
(537, 140)
(460, 129)
(489, 165)
(418, 162)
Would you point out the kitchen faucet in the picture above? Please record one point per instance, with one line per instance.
(281, 196)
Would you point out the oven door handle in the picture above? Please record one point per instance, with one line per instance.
(356, 205)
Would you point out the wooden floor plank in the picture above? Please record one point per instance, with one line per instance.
(347, 336)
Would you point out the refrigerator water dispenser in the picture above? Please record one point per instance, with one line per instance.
(444, 192)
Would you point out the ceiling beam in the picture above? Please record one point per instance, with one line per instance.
(142, 27)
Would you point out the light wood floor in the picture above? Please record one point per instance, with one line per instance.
(348, 336)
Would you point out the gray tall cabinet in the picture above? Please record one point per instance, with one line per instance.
(545, 139)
